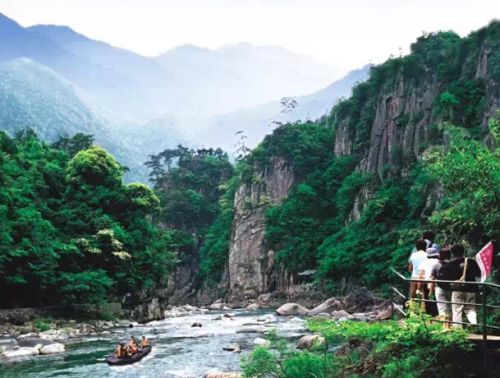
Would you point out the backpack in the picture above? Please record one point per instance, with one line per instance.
(456, 284)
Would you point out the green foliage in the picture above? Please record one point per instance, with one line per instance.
(87, 286)
(69, 229)
(215, 249)
(94, 166)
(411, 348)
(470, 174)
(260, 364)
(196, 190)
(42, 324)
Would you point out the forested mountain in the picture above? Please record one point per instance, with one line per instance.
(145, 104)
(185, 80)
(34, 96)
(243, 75)
(412, 149)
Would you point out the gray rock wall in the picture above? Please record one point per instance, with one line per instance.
(402, 124)
(251, 265)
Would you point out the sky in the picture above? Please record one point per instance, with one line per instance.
(347, 34)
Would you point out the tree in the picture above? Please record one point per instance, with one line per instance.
(94, 166)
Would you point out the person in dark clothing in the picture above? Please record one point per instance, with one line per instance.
(462, 269)
(442, 290)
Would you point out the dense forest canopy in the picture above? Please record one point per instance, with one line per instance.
(70, 229)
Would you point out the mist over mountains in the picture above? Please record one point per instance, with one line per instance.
(59, 82)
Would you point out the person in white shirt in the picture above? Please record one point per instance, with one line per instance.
(414, 262)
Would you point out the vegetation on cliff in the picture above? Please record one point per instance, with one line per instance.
(351, 223)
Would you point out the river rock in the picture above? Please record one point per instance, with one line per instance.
(54, 334)
(311, 341)
(33, 341)
(360, 300)
(289, 309)
(340, 314)
(216, 306)
(52, 348)
(21, 352)
(232, 348)
(384, 310)
(103, 324)
(122, 323)
(85, 329)
(196, 324)
(222, 375)
(380, 312)
(253, 307)
(261, 342)
(27, 335)
(327, 306)
(250, 330)
(8, 344)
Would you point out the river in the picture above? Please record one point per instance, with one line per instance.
(179, 350)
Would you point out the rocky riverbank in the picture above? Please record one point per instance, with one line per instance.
(46, 335)
(50, 337)
(360, 305)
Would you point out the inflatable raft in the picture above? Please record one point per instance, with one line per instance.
(113, 360)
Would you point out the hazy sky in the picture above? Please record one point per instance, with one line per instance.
(347, 33)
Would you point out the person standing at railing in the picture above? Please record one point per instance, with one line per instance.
(463, 296)
(416, 259)
(426, 268)
(442, 290)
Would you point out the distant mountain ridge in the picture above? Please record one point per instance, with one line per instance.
(183, 80)
(258, 121)
(34, 96)
(60, 82)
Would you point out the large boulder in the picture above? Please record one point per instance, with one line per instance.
(327, 306)
(289, 309)
(312, 341)
(21, 352)
(31, 342)
(52, 348)
(359, 300)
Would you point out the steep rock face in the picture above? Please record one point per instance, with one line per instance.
(251, 266)
(403, 115)
(404, 122)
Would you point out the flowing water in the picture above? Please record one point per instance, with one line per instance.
(179, 350)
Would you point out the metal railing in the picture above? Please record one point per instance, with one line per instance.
(484, 288)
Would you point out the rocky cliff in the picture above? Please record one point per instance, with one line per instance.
(251, 265)
(400, 118)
